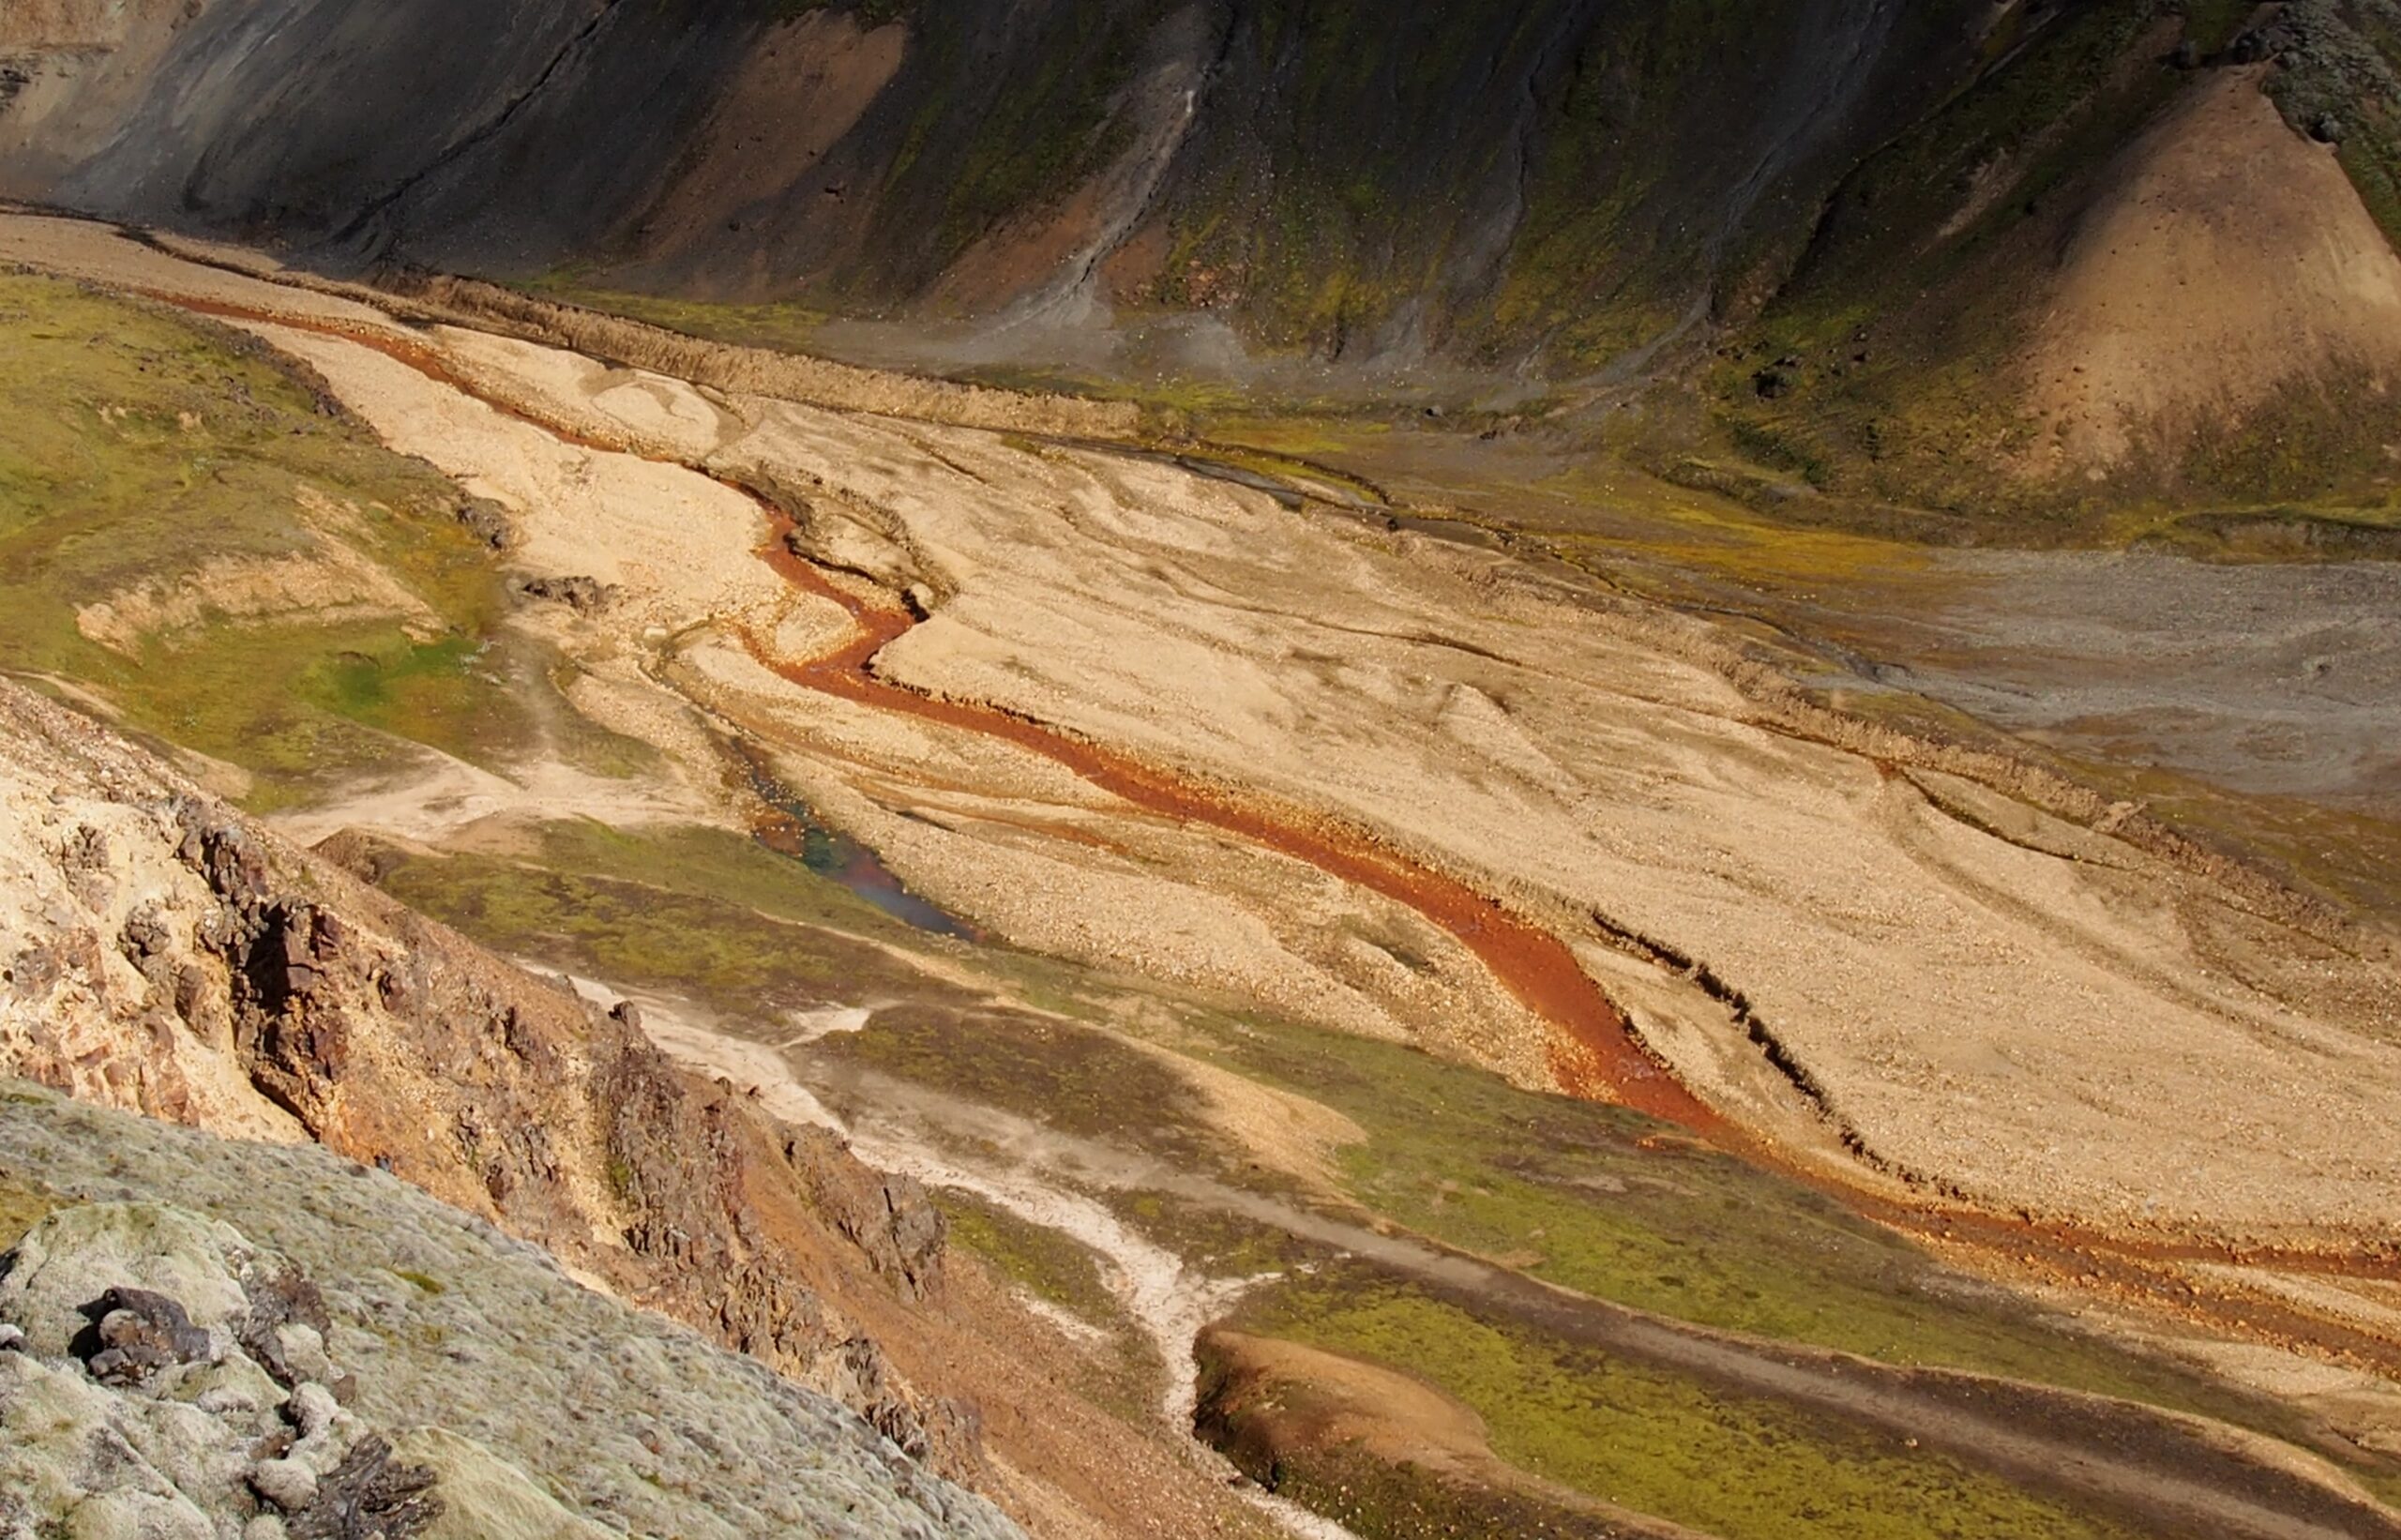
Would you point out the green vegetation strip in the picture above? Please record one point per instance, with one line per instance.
(1588, 1198)
(1735, 1467)
(638, 910)
(176, 471)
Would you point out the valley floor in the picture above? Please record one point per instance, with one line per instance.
(1436, 959)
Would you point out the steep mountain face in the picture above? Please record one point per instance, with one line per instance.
(1570, 190)
(1341, 176)
(168, 956)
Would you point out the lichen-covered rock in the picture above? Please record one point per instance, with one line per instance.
(73, 1258)
(125, 1411)
(485, 1497)
(519, 1404)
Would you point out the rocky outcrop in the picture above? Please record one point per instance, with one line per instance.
(162, 954)
(331, 1353)
(131, 1411)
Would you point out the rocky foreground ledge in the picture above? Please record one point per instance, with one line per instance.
(207, 1338)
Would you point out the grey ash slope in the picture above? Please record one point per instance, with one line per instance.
(634, 1424)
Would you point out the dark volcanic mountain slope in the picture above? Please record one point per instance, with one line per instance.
(1324, 169)
(1584, 190)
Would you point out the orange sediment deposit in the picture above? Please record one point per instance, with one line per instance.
(1597, 1057)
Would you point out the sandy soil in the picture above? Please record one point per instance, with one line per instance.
(333, 583)
(2032, 1011)
(2058, 1030)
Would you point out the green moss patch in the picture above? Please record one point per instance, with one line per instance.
(22, 1205)
(1043, 1262)
(1644, 1438)
(135, 448)
(1588, 1196)
(649, 910)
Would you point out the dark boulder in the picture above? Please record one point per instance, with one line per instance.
(135, 1333)
(585, 596)
(488, 522)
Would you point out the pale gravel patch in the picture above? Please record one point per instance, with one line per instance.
(439, 796)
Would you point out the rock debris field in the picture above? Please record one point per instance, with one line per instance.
(299, 1347)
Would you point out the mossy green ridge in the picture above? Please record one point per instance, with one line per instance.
(1879, 379)
(1656, 1442)
(138, 448)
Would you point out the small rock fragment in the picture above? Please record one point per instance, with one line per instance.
(286, 1483)
(135, 1333)
(311, 1409)
(583, 594)
(489, 523)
